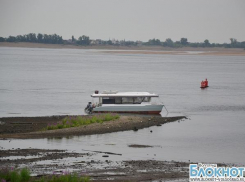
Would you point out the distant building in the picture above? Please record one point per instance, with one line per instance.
(98, 41)
(139, 42)
(115, 42)
(92, 42)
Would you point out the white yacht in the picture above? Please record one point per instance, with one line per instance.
(124, 102)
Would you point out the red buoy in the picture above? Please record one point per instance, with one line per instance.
(204, 84)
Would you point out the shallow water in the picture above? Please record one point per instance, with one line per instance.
(37, 82)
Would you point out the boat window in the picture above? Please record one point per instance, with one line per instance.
(127, 100)
(118, 100)
(138, 100)
(147, 99)
(108, 100)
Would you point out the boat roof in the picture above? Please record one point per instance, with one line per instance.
(125, 94)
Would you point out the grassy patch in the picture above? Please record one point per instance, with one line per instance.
(69, 122)
(68, 178)
(10, 175)
(14, 176)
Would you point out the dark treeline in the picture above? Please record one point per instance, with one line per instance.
(84, 40)
(32, 37)
(45, 38)
(183, 42)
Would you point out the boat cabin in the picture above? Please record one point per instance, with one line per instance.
(123, 97)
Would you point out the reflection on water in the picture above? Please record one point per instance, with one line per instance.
(35, 82)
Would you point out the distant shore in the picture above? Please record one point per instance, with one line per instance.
(136, 49)
(31, 127)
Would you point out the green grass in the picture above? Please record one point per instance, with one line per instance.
(82, 120)
(68, 178)
(14, 175)
(23, 175)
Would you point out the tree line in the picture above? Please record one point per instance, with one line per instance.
(45, 38)
(32, 37)
(183, 42)
(85, 40)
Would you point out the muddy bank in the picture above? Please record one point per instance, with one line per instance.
(42, 162)
(104, 169)
(29, 127)
(24, 156)
(26, 124)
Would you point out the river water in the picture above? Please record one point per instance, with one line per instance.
(40, 82)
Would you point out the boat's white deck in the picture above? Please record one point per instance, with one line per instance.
(125, 94)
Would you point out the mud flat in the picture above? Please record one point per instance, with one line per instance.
(31, 127)
(43, 162)
(98, 170)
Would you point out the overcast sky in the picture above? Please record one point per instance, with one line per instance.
(196, 20)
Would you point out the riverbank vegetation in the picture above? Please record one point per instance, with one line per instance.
(24, 175)
(85, 41)
(77, 121)
(14, 175)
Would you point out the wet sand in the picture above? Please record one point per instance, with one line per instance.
(104, 169)
(98, 170)
(30, 127)
(217, 51)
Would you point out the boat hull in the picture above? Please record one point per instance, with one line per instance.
(137, 109)
(204, 87)
(132, 112)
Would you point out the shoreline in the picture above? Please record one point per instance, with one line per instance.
(105, 169)
(97, 170)
(30, 127)
(217, 51)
